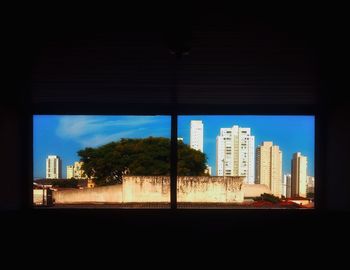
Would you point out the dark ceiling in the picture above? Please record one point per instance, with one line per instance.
(229, 55)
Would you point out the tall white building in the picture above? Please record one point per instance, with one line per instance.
(269, 167)
(53, 167)
(286, 185)
(196, 135)
(235, 153)
(299, 175)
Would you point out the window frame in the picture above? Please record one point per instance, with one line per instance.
(175, 110)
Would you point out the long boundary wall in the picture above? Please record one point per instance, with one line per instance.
(138, 189)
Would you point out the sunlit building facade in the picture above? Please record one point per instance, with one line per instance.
(235, 153)
(299, 175)
(269, 167)
(53, 167)
(196, 135)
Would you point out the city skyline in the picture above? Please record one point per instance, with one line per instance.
(292, 133)
(65, 135)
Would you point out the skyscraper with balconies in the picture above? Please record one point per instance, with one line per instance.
(235, 153)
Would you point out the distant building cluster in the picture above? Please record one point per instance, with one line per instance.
(75, 171)
(54, 169)
(236, 156)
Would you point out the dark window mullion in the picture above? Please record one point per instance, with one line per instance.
(173, 160)
(174, 113)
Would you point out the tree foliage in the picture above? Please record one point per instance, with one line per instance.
(151, 156)
(190, 162)
(268, 197)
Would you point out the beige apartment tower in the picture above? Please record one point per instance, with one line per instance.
(299, 175)
(269, 167)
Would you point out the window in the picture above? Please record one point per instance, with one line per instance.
(119, 161)
(125, 161)
(255, 177)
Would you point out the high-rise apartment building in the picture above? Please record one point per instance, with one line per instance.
(299, 175)
(269, 167)
(53, 167)
(286, 185)
(196, 135)
(235, 153)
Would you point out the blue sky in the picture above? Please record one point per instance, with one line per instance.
(65, 135)
(291, 133)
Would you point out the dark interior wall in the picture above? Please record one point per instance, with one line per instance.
(337, 159)
(277, 59)
(10, 194)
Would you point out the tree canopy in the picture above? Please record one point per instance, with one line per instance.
(150, 156)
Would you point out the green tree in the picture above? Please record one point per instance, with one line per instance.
(190, 162)
(151, 156)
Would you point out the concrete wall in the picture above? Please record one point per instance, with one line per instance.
(146, 189)
(255, 190)
(209, 189)
(107, 194)
(157, 189)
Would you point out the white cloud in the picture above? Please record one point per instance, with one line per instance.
(92, 131)
(101, 139)
(78, 126)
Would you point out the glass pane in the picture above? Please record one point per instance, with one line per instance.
(101, 161)
(245, 161)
